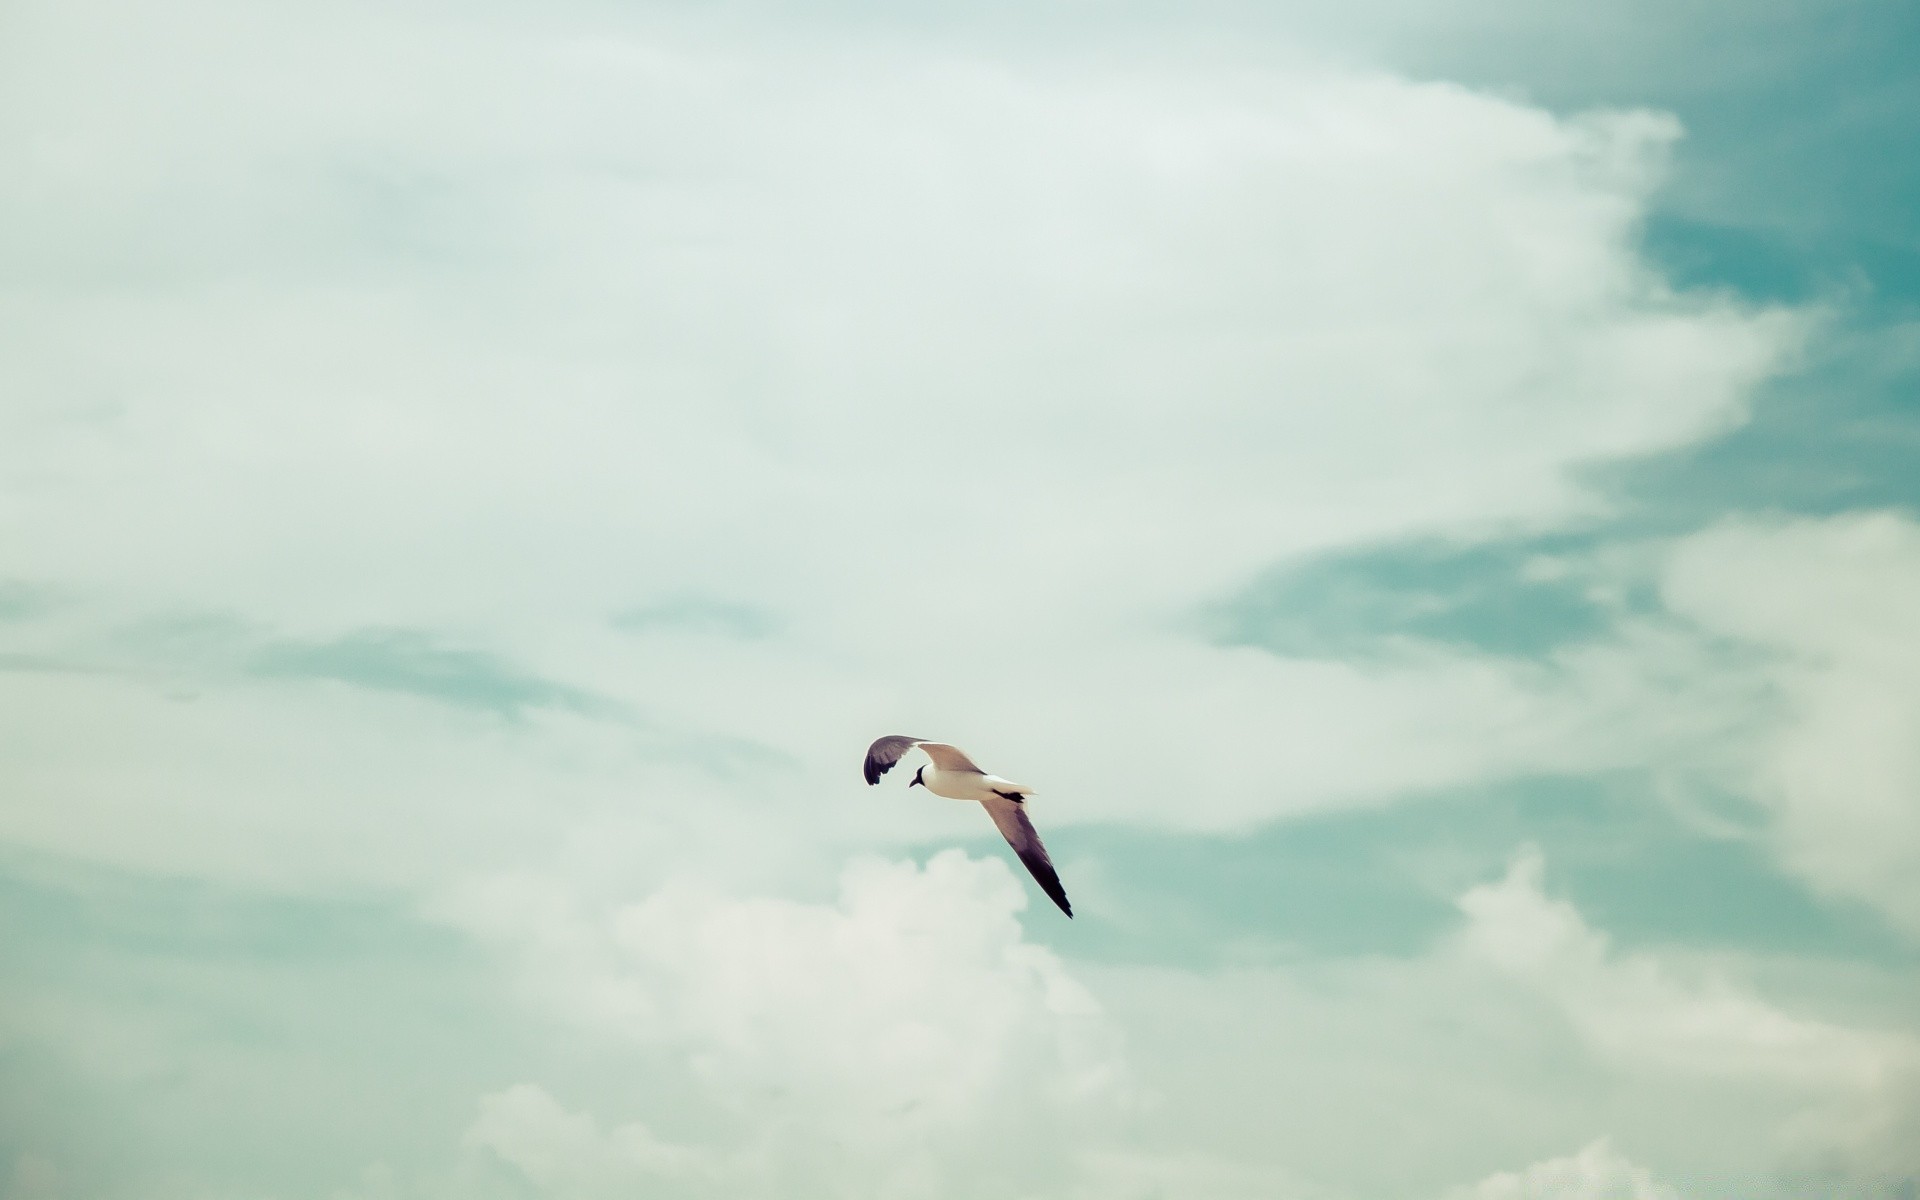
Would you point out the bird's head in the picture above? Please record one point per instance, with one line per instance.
(917, 781)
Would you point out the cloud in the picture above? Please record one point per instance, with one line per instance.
(211, 648)
(565, 1154)
(1502, 597)
(1870, 1148)
(451, 331)
(1838, 763)
(21, 601)
(875, 1042)
(714, 617)
(864, 1044)
(795, 385)
(1597, 1172)
(416, 664)
(1634, 1008)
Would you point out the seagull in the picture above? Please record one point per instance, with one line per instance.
(952, 774)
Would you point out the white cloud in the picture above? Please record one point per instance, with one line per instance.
(869, 1044)
(500, 328)
(872, 1043)
(1869, 1148)
(1597, 1172)
(1838, 766)
(497, 325)
(566, 1154)
(1634, 1008)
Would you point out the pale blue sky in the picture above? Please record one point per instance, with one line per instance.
(1427, 494)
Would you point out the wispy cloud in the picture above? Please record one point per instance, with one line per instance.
(413, 663)
(20, 600)
(1518, 597)
(698, 615)
(198, 649)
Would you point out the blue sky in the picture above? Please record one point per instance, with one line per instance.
(1426, 494)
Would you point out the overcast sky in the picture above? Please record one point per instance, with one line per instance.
(1425, 493)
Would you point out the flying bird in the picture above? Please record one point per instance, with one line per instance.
(951, 773)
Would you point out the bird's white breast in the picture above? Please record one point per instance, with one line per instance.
(954, 785)
(965, 785)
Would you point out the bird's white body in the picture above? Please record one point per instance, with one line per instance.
(969, 785)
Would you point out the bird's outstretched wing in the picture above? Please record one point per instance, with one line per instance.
(950, 758)
(1011, 817)
(884, 753)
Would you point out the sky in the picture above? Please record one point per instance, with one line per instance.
(1425, 493)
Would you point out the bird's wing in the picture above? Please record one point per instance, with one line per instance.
(1011, 817)
(884, 753)
(950, 758)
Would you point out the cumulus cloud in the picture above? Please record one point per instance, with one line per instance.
(1845, 1096)
(1635, 1008)
(566, 1154)
(1597, 1172)
(1838, 766)
(874, 1042)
